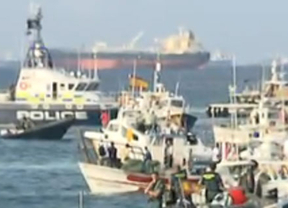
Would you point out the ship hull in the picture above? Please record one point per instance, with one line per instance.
(123, 60)
(88, 115)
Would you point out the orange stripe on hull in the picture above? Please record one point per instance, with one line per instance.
(126, 64)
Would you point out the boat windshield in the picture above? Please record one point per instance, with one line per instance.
(177, 103)
(199, 167)
(92, 86)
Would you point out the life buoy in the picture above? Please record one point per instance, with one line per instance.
(23, 86)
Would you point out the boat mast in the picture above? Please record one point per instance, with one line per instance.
(34, 24)
(134, 77)
(177, 88)
(157, 72)
(96, 77)
(282, 93)
(233, 92)
(78, 74)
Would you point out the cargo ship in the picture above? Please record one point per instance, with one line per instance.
(180, 51)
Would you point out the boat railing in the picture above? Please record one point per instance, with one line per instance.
(86, 144)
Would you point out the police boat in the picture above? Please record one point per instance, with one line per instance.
(44, 93)
(51, 131)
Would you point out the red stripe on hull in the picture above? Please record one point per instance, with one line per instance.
(128, 64)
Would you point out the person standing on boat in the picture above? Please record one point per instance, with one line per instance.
(155, 191)
(181, 188)
(168, 160)
(112, 153)
(216, 153)
(125, 156)
(147, 160)
(26, 123)
(153, 122)
(102, 151)
(212, 182)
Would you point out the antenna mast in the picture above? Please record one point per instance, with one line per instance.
(34, 26)
(96, 76)
(157, 72)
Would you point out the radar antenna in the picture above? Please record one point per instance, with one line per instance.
(34, 23)
(38, 55)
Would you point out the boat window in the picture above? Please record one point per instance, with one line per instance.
(255, 144)
(62, 86)
(81, 86)
(124, 132)
(113, 127)
(199, 167)
(237, 170)
(70, 86)
(135, 137)
(92, 86)
(163, 104)
(273, 115)
(177, 103)
(192, 140)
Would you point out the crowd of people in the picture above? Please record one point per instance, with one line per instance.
(108, 155)
(175, 194)
(162, 194)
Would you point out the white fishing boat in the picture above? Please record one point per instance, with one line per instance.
(103, 180)
(274, 89)
(265, 122)
(125, 130)
(164, 104)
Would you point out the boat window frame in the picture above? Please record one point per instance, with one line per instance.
(111, 129)
(178, 101)
(62, 86)
(71, 84)
(81, 86)
(94, 87)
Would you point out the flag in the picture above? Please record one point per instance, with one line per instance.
(138, 83)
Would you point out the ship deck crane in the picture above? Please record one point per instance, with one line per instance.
(135, 40)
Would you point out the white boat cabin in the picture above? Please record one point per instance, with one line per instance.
(123, 130)
(39, 81)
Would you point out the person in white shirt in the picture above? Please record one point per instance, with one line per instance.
(169, 154)
(216, 153)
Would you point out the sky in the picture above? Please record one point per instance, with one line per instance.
(253, 30)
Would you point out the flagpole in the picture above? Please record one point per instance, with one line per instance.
(157, 71)
(134, 77)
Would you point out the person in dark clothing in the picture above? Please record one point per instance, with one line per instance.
(102, 153)
(25, 123)
(112, 153)
(147, 160)
(155, 190)
(212, 182)
(177, 190)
